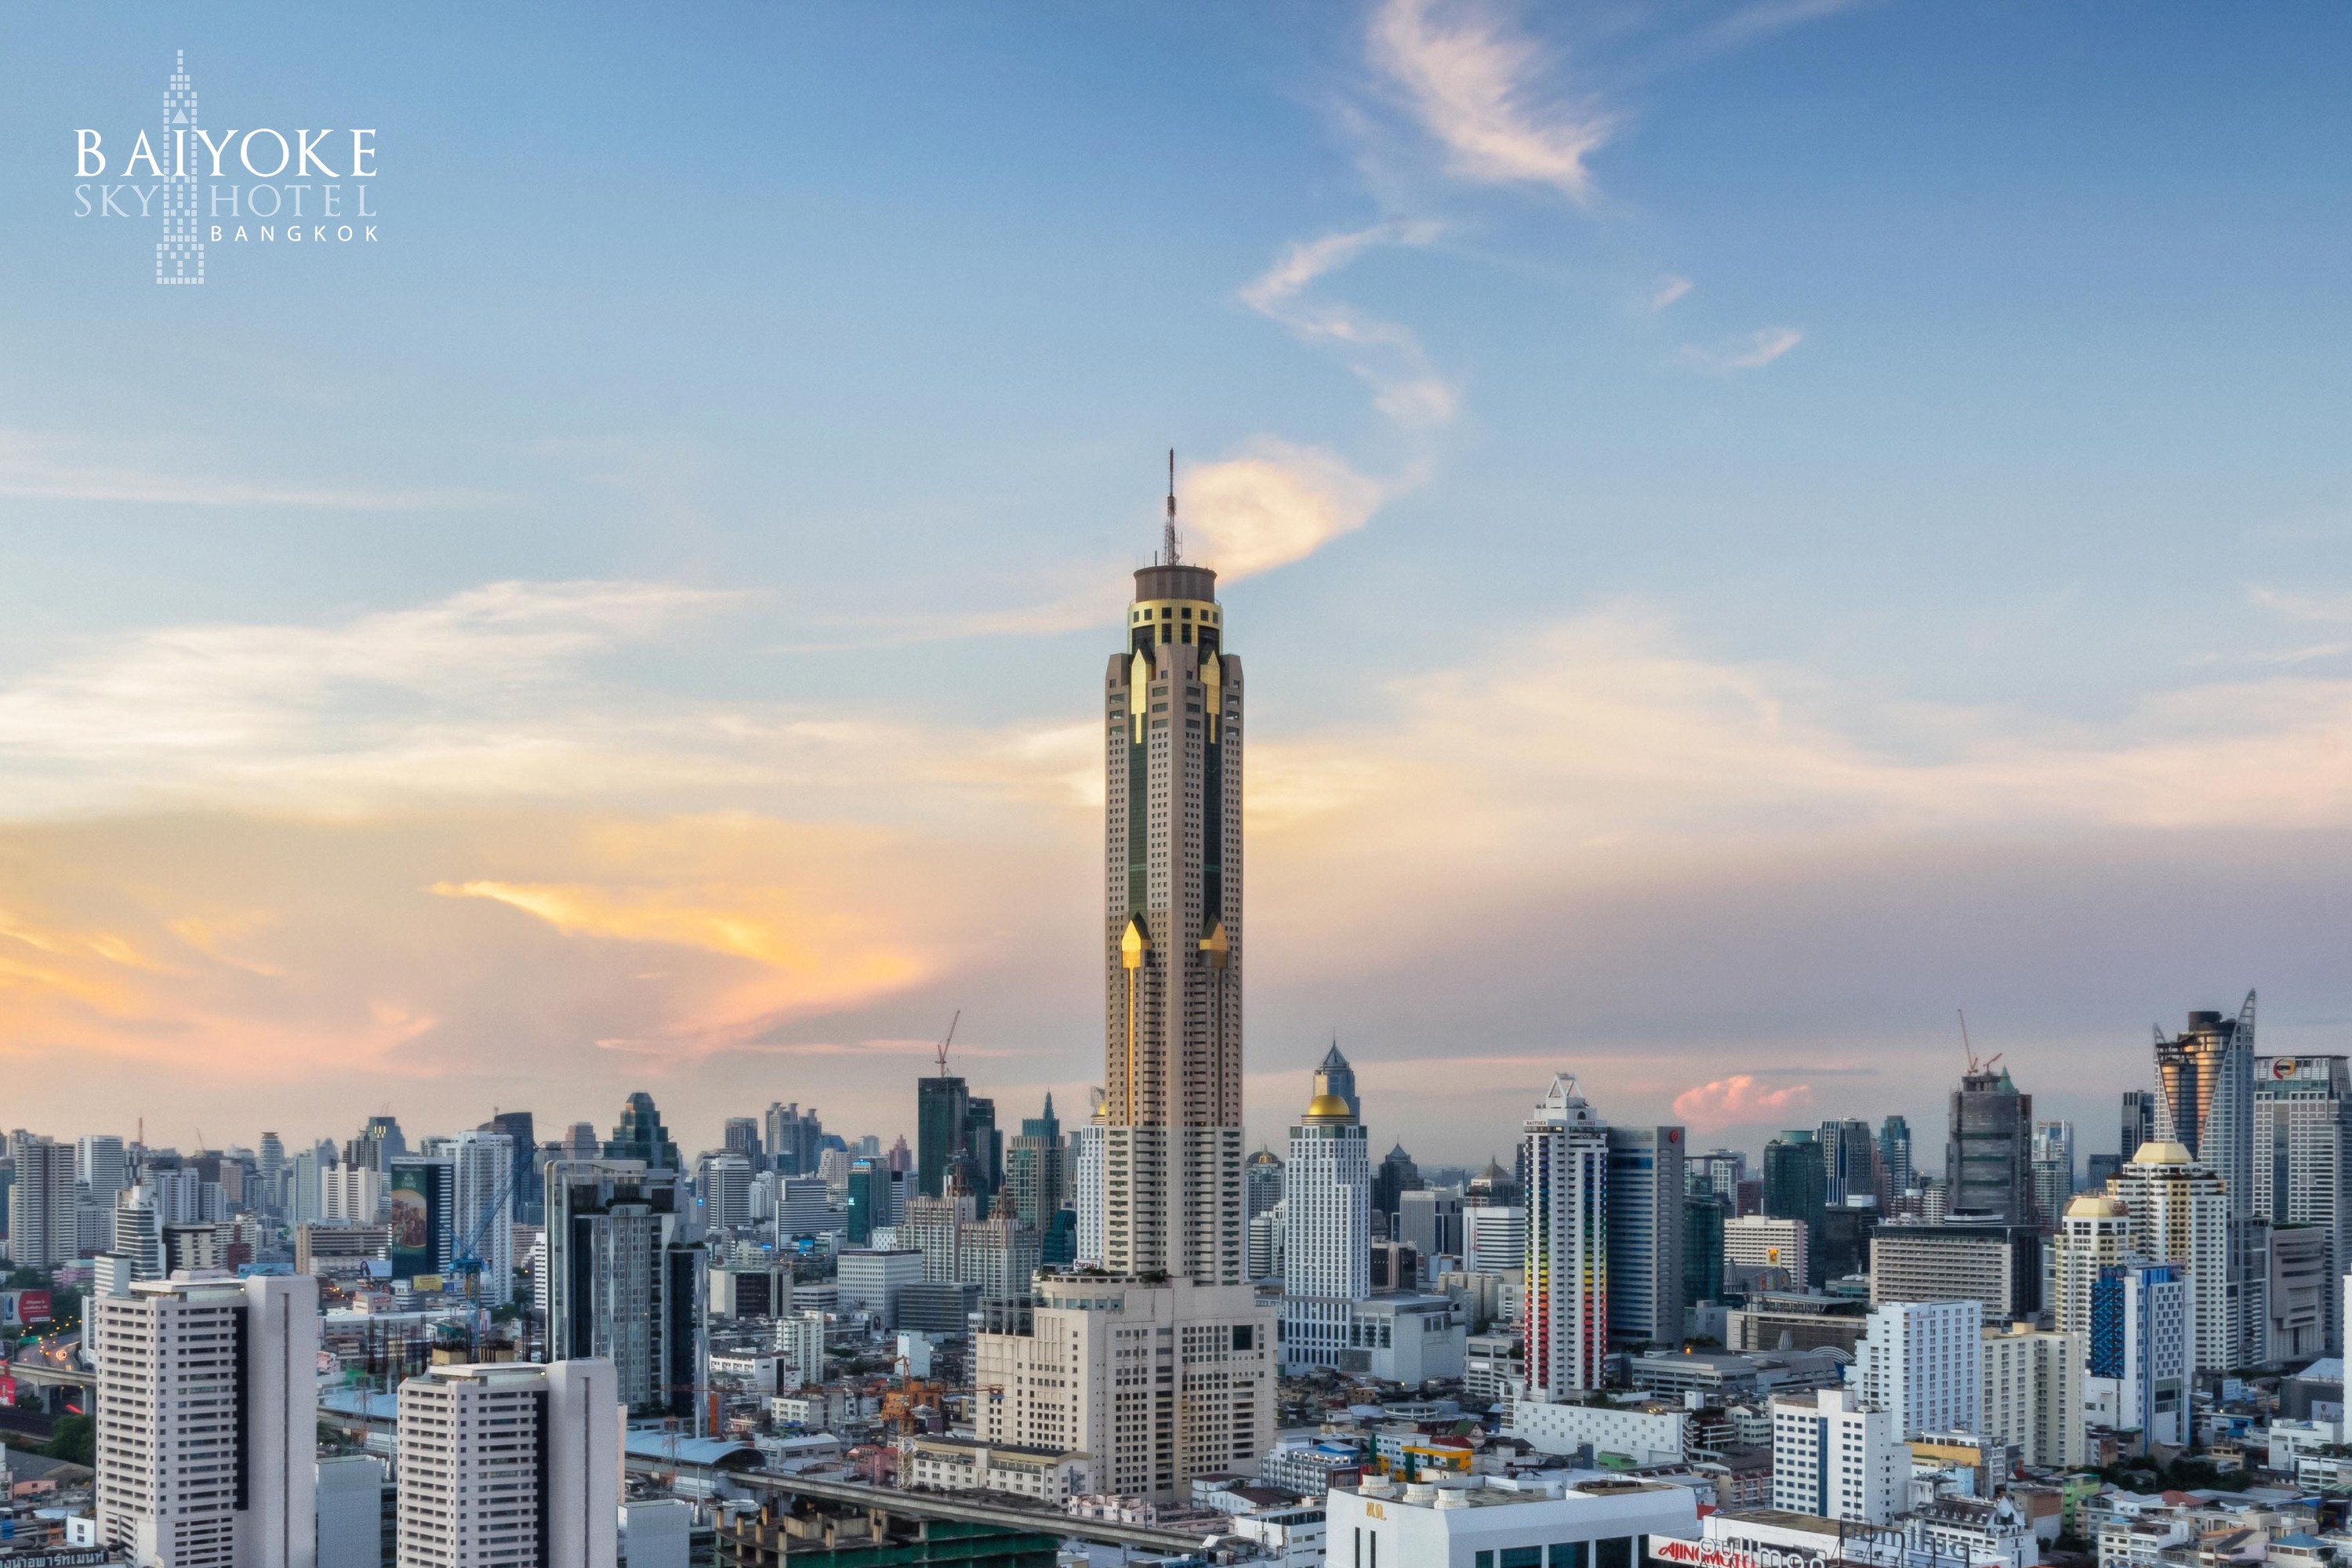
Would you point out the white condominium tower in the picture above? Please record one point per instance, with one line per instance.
(1328, 1265)
(207, 1420)
(1172, 932)
(1566, 1315)
(510, 1466)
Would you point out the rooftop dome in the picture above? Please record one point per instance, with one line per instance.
(2095, 1206)
(2163, 1152)
(1328, 1107)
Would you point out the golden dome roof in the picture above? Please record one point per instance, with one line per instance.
(1328, 1107)
(2095, 1206)
(2163, 1152)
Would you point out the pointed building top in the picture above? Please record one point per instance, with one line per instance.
(1332, 1058)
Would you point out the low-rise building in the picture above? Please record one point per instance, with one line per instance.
(1652, 1434)
(1480, 1523)
(962, 1464)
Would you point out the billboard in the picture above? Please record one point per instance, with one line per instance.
(419, 1201)
(23, 1309)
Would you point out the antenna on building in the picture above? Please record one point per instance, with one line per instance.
(949, 1040)
(1169, 550)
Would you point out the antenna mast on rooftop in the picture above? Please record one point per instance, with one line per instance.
(1169, 544)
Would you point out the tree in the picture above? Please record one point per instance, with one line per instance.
(74, 1439)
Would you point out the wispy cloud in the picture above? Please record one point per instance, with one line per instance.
(1475, 86)
(1752, 352)
(32, 466)
(1669, 289)
(1389, 357)
(1273, 504)
(2302, 606)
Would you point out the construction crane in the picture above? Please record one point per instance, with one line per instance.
(470, 1247)
(949, 1041)
(1975, 1066)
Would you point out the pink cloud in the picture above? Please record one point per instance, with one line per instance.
(1731, 1102)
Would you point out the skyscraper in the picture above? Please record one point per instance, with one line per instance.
(1033, 1171)
(1396, 1175)
(1565, 1313)
(2205, 1097)
(639, 1135)
(1327, 1266)
(2179, 1213)
(2094, 1235)
(1087, 1195)
(941, 1103)
(1261, 1182)
(43, 1229)
(508, 1464)
(1895, 1154)
(742, 1136)
(1172, 931)
(482, 1211)
(2054, 1167)
(526, 1200)
(1796, 1187)
(1849, 1161)
(2138, 1123)
(2302, 1158)
(983, 1143)
(622, 1285)
(1333, 1076)
(1645, 1234)
(207, 1416)
(1989, 1162)
(1923, 1364)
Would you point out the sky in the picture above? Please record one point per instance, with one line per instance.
(1752, 527)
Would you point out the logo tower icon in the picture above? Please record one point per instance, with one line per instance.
(180, 255)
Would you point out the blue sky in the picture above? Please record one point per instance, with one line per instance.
(1749, 526)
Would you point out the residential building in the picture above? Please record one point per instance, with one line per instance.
(1160, 1381)
(510, 1464)
(869, 1280)
(1565, 1318)
(1172, 933)
(999, 1254)
(2094, 1235)
(2179, 1213)
(1837, 1457)
(2033, 1393)
(353, 1194)
(2054, 1167)
(1646, 1187)
(1493, 1238)
(724, 1183)
(2139, 1369)
(43, 1229)
(623, 1285)
(1086, 1195)
(482, 1212)
(1988, 1165)
(1895, 1167)
(800, 1350)
(1326, 1268)
(1923, 1364)
(207, 1407)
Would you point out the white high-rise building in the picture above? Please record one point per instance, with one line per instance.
(1565, 1315)
(2094, 1235)
(44, 1229)
(139, 1233)
(510, 1466)
(2302, 1158)
(349, 1193)
(1493, 1238)
(1836, 1456)
(1086, 1183)
(1327, 1194)
(1923, 1364)
(1172, 933)
(2138, 1366)
(207, 1414)
(2032, 1394)
(799, 1347)
(100, 1166)
(1646, 1189)
(482, 1210)
(1157, 1382)
(725, 1181)
(2179, 1213)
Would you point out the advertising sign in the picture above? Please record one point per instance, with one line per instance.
(22, 1309)
(419, 1200)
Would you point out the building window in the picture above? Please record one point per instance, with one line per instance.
(1615, 1552)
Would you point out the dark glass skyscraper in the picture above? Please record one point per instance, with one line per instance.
(1796, 1187)
(1989, 1162)
(941, 1104)
(640, 1135)
(530, 1199)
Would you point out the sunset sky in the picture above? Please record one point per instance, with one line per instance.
(1751, 527)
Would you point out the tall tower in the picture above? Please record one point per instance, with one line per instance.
(2205, 1089)
(1566, 1315)
(1326, 1268)
(1172, 932)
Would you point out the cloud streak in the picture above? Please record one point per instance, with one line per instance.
(31, 467)
(1474, 87)
(1753, 350)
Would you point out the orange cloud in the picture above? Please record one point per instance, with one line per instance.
(1738, 1100)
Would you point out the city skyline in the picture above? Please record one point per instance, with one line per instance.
(1699, 639)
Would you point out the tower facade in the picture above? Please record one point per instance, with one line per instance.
(1172, 933)
(2179, 1213)
(1989, 1163)
(2303, 1157)
(1645, 1234)
(1326, 1268)
(1565, 1313)
(2205, 1097)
